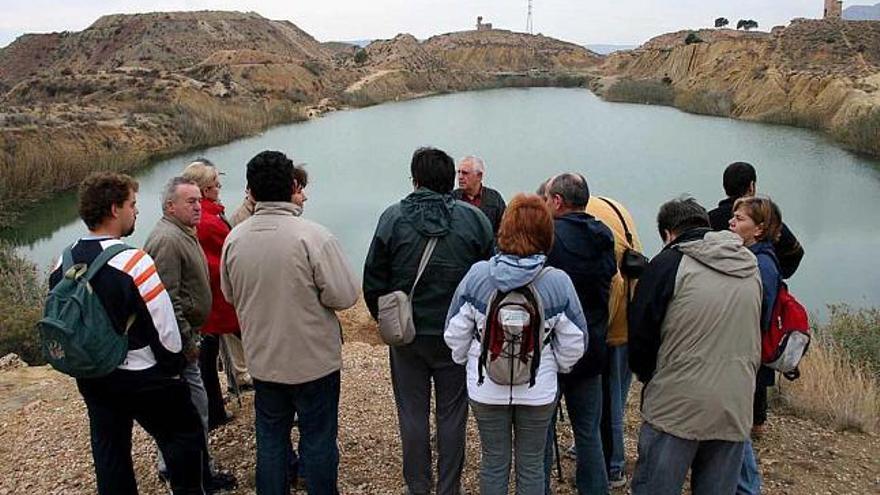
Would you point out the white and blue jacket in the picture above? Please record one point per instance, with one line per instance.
(563, 319)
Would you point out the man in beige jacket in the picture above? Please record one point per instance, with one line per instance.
(286, 277)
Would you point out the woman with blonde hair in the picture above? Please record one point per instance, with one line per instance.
(515, 416)
(212, 231)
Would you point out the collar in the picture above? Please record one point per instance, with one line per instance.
(479, 194)
(191, 231)
(277, 208)
(211, 206)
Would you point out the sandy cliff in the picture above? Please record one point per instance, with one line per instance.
(132, 87)
(815, 74)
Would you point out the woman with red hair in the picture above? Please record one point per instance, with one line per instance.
(514, 415)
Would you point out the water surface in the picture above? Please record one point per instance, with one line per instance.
(358, 163)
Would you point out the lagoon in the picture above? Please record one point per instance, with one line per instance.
(358, 162)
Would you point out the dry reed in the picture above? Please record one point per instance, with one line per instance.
(834, 389)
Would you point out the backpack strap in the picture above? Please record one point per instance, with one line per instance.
(67, 259)
(629, 237)
(102, 259)
(423, 263)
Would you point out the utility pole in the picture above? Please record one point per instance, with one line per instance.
(529, 26)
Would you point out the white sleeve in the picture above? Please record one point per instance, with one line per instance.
(459, 333)
(569, 342)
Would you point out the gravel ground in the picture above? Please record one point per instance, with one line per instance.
(44, 441)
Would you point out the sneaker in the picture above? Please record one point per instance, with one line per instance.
(616, 480)
(221, 481)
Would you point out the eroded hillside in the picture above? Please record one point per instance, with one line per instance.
(131, 87)
(816, 74)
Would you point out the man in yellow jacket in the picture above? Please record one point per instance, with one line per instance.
(617, 376)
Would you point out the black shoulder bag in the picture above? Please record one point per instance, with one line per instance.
(633, 263)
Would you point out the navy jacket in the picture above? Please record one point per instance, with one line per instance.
(583, 247)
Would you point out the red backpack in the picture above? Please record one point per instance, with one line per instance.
(784, 344)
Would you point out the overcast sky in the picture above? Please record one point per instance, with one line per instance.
(580, 21)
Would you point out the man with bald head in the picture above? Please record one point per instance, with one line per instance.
(471, 190)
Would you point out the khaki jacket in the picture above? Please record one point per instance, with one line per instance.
(618, 300)
(286, 276)
(183, 269)
(695, 339)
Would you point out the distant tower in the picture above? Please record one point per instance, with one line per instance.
(529, 27)
(481, 26)
(833, 9)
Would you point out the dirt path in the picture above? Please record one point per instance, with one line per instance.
(44, 445)
(360, 83)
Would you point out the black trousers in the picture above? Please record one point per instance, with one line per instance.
(162, 406)
(208, 365)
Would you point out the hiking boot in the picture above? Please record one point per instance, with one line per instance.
(221, 481)
(616, 480)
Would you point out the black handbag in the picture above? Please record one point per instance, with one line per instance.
(632, 263)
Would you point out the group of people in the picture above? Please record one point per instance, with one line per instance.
(264, 286)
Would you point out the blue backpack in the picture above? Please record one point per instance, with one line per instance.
(77, 336)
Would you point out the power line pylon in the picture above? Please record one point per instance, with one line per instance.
(529, 26)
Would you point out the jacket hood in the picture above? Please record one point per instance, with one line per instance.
(429, 212)
(509, 272)
(723, 251)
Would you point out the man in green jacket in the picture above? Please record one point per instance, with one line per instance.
(464, 237)
(183, 269)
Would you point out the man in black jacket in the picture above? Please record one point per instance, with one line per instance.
(471, 190)
(464, 237)
(740, 180)
(583, 247)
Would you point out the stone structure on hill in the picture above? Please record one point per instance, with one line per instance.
(833, 9)
(483, 26)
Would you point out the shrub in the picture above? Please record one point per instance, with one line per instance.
(692, 38)
(641, 91)
(857, 332)
(21, 299)
(360, 56)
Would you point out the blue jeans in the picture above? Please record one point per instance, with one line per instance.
(749, 477)
(615, 388)
(520, 428)
(664, 461)
(317, 405)
(583, 400)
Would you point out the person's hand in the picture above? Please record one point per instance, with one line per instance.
(192, 355)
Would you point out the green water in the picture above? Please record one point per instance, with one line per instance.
(358, 163)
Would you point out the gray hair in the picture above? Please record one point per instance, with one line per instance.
(477, 162)
(572, 188)
(169, 194)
